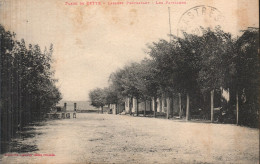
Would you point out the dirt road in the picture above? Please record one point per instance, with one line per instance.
(102, 138)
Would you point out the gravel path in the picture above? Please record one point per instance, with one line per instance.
(102, 138)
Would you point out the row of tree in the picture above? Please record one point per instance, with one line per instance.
(198, 67)
(28, 88)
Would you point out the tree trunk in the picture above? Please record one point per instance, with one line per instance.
(188, 108)
(155, 106)
(130, 105)
(116, 108)
(168, 107)
(137, 108)
(212, 105)
(163, 105)
(172, 106)
(180, 109)
(145, 108)
(159, 104)
(150, 105)
(134, 106)
(237, 107)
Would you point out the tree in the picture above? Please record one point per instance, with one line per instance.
(196, 66)
(215, 64)
(246, 80)
(163, 55)
(98, 98)
(147, 82)
(111, 96)
(176, 67)
(124, 81)
(27, 85)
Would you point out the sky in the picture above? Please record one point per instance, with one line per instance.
(92, 41)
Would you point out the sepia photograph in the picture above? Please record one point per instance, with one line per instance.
(129, 81)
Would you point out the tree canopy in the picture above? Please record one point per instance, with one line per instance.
(196, 65)
(28, 89)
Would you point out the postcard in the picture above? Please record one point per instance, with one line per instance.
(129, 81)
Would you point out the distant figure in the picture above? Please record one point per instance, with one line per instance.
(62, 115)
(75, 106)
(75, 109)
(67, 115)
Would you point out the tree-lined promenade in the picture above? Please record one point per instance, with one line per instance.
(103, 138)
(195, 71)
(28, 88)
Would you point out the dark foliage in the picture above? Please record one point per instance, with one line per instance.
(28, 88)
(195, 66)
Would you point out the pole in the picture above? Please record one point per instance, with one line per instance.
(169, 10)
